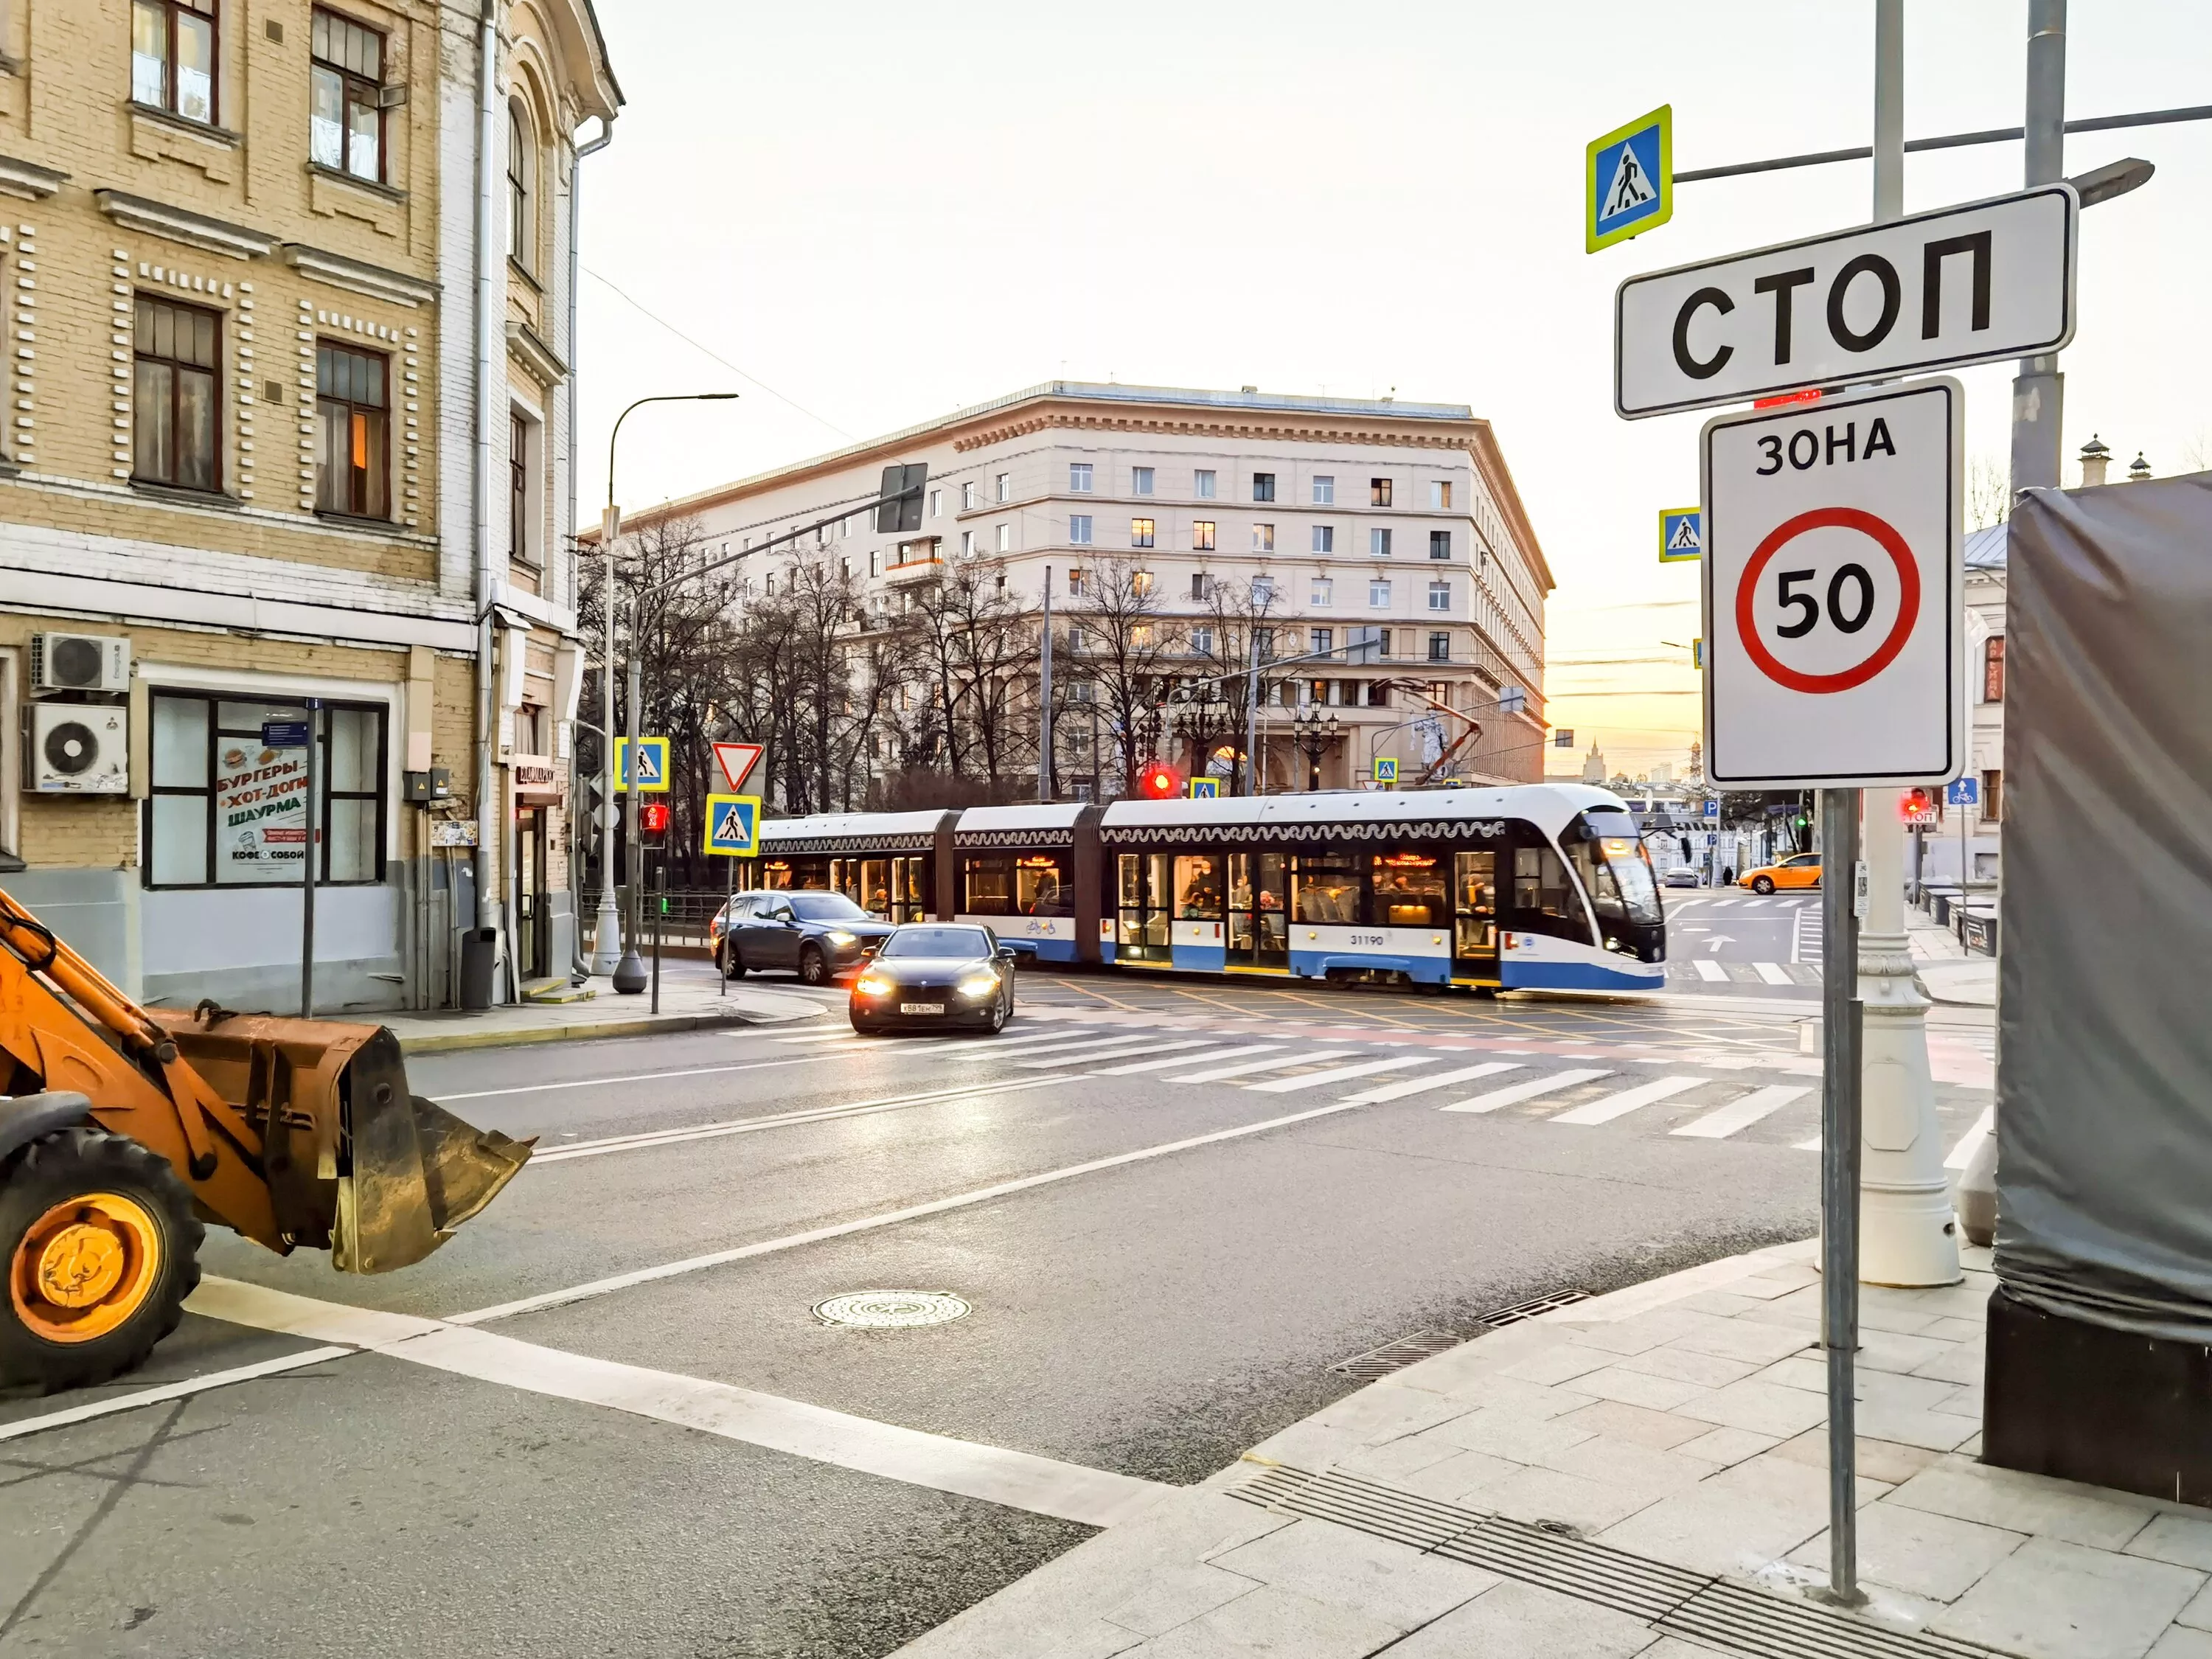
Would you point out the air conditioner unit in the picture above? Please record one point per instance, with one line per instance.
(79, 748)
(80, 662)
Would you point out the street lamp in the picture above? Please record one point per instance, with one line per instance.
(611, 953)
(1316, 734)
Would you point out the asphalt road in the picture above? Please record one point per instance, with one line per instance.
(664, 1450)
(1728, 942)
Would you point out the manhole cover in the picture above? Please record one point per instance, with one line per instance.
(885, 1310)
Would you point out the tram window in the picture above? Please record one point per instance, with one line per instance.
(1198, 887)
(1409, 891)
(876, 888)
(1598, 882)
(1039, 889)
(775, 874)
(1129, 893)
(1615, 870)
(1543, 901)
(990, 887)
(1328, 890)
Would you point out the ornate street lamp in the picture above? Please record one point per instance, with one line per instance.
(1315, 733)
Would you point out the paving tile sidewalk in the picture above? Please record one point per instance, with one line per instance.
(688, 1001)
(1680, 1422)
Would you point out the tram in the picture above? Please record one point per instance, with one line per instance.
(1536, 887)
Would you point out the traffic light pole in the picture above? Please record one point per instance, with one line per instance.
(629, 973)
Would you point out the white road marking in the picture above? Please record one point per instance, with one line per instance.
(1190, 1060)
(1812, 1146)
(1708, 968)
(885, 1219)
(639, 1077)
(1606, 1108)
(1971, 1142)
(1742, 1113)
(1061, 1048)
(1022, 1481)
(818, 1036)
(1120, 1051)
(1376, 1096)
(166, 1391)
(1772, 972)
(1284, 1086)
(1246, 1066)
(1723, 905)
(1520, 1092)
(744, 1125)
(1797, 934)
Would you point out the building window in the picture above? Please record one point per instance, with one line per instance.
(936, 503)
(1378, 593)
(1263, 538)
(172, 62)
(1320, 640)
(1439, 497)
(1079, 477)
(1005, 538)
(1078, 529)
(520, 224)
(1992, 797)
(1004, 485)
(1140, 481)
(1378, 543)
(1201, 535)
(1366, 644)
(876, 562)
(1324, 538)
(1202, 640)
(226, 811)
(1263, 593)
(1440, 648)
(1140, 532)
(352, 403)
(345, 82)
(174, 404)
(1439, 596)
(1993, 669)
(1074, 585)
(1324, 492)
(1379, 492)
(1440, 543)
(1202, 484)
(967, 543)
(1322, 592)
(1201, 585)
(968, 497)
(1140, 583)
(1263, 486)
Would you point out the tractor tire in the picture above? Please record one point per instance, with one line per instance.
(1764, 886)
(101, 1248)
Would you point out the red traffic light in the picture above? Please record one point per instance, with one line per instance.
(1160, 781)
(652, 817)
(1916, 803)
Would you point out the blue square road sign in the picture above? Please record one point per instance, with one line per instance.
(1628, 180)
(1963, 791)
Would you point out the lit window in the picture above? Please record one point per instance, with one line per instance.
(1079, 477)
(1074, 585)
(1140, 481)
(1324, 538)
(353, 471)
(1378, 593)
(1078, 529)
(1140, 583)
(1201, 535)
(1263, 538)
(1263, 486)
(1324, 492)
(1322, 592)
(172, 57)
(1440, 496)
(1440, 543)
(1202, 484)
(1378, 543)
(1439, 596)
(1379, 492)
(1140, 532)
(345, 114)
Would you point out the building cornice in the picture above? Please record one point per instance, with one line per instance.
(537, 356)
(192, 229)
(1201, 427)
(394, 287)
(28, 179)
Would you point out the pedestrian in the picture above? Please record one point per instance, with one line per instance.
(1728, 875)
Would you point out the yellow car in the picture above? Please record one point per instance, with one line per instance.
(1800, 870)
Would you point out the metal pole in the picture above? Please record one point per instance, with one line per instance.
(1840, 1012)
(1252, 784)
(629, 974)
(2039, 390)
(660, 909)
(606, 952)
(307, 871)
(1044, 706)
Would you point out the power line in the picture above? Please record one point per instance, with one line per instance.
(709, 351)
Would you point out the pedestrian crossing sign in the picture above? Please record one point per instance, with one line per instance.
(1386, 769)
(1205, 788)
(1681, 534)
(652, 765)
(1629, 179)
(734, 825)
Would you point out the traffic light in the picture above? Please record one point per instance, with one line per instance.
(1160, 781)
(898, 505)
(652, 822)
(1916, 804)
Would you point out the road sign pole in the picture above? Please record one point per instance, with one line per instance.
(630, 972)
(607, 946)
(1840, 1029)
(2039, 390)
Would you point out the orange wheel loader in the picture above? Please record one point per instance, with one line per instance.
(123, 1130)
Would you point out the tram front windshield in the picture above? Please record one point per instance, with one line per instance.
(1616, 869)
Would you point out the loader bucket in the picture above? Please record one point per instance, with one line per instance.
(355, 1160)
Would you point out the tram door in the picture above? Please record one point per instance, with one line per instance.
(1474, 916)
(1258, 891)
(909, 890)
(1145, 908)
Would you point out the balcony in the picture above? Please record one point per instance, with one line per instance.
(921, 560)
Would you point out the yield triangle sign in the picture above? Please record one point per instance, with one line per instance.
(1632, 187)
(737, 761)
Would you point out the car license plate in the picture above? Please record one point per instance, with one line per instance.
(921, 1007)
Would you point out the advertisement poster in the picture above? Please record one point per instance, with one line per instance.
(260, 812)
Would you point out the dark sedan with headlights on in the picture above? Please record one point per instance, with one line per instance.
(932, 976)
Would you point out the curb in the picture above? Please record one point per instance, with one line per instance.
(441, 1043)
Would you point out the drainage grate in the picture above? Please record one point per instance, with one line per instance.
(1675, 1599)
(1397, 1355)
(1534, 1306)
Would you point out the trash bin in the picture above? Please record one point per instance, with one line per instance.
(479, 954)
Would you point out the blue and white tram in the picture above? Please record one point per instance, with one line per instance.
(1534, 887)
(1024, 871)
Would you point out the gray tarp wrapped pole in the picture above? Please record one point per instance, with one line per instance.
(2104, 1069)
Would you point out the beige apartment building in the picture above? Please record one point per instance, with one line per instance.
(285, 426)
(1385, 539)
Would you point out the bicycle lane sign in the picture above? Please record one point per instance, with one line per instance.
(1832, 591)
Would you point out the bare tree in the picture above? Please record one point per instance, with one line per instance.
(1119, 641)
(1212, 714)
(1989, 491)
(976, 642)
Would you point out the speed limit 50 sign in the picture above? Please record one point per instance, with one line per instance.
(1832, 591)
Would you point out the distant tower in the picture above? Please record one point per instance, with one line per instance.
(2094, 460)
(1594, 766)
(2139, 471)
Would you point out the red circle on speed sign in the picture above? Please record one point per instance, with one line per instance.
(1908, 604)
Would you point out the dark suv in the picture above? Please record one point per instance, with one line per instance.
(815, 935)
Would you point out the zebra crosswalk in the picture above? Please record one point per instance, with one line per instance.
(1640, 1091)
